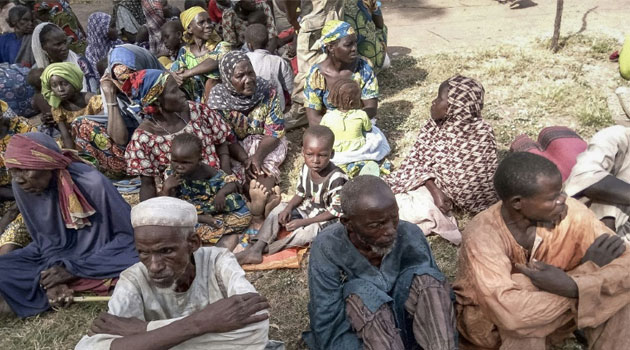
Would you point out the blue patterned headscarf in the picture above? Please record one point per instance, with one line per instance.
(334, 30)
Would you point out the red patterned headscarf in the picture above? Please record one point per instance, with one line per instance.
(26, 153)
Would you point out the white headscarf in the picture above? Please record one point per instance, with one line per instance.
(41, 58)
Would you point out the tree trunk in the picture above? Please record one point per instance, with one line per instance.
(556, 26)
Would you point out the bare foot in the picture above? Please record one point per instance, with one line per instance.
(274, 199)
(259, 195)
(249, 256)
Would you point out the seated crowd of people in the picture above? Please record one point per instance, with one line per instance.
(190, 108)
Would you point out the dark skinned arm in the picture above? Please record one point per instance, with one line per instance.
(237, 152)
(148, 189)
(609, 190)
(66, 136)
(223, 150)
(314, 116)
(266, 146)
(116, 127)
(290, 7)
(285, 215)
(206, 66)
(370, 107)
(8, 217)
(323, 217)
(378, 21)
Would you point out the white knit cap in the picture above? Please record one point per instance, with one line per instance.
(164, 211)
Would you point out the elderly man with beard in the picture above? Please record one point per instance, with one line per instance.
(180, 295)
(538, 265)
(373, 282)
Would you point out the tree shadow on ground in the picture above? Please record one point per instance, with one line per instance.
(404, 73)
(416, 9)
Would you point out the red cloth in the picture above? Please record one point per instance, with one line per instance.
(559, 144)
(216, 15)
(25, 153)
(98, 287)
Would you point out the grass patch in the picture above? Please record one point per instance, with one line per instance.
(527, 88)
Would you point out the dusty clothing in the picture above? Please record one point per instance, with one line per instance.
(337, 271)
(427, 296)
(275, 69)
(218, 276)
(495, 305)
(607, 154)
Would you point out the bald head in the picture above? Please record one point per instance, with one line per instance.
(365, 192)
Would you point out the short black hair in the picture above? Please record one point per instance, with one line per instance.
(320, 132)
(361, 185)
(189, 141)
(517, 174)
(257, 17)
(192, 3)
(175, 25)
(33, 78)
(256, 36)
(15, 13)
(49, 28)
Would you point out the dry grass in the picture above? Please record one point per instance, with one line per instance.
(527, 88)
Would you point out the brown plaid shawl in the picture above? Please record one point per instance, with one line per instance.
(459, 153)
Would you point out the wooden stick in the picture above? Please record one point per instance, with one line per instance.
(89, 299)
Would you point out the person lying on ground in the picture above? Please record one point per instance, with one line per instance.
(538, 265)
(373, 283)
(315, 205)
(179, 296)
(222, 212)
(79, 223)
(451, 164)
(601, 176)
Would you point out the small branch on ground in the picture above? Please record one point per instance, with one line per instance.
(556, 26)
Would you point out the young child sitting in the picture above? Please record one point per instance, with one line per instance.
(348, 122)
(172, 32)
(39, 103)
(315, 205)
(223, 213)
(61, 87)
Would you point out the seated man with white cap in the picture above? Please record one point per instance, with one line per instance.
(180, 295)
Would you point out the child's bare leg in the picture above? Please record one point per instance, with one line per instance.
(228, 241)
(252, 255)
(274, 199)
(259, 195)
(5, 309)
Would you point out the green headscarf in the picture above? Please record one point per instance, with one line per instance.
(67, 70)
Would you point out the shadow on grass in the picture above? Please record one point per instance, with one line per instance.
(403, 74)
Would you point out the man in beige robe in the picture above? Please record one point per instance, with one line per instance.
(538, 265)
(179, 296)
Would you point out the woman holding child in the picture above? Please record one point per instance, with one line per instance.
(196, 66)
(166, 114)
(452, 163)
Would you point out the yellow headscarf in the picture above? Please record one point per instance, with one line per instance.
(189, 15)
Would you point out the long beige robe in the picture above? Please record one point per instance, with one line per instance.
(497, 305)
(218, 275)
(607, 154)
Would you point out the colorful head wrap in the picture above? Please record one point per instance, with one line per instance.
(334, 30)
(67, 70)
(224, 96)
(145, 87)
(24, 152)
(189, 15)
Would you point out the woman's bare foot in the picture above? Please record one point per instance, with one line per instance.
(274, 199)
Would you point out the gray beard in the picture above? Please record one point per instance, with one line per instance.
(382, 251)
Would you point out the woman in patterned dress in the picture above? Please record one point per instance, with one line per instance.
(167, 114)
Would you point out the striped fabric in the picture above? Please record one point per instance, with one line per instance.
(319, 198)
